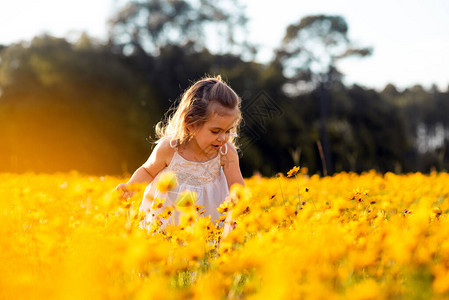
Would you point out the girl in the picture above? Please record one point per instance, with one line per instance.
(197, 144)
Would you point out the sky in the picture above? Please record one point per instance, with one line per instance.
(410, 38)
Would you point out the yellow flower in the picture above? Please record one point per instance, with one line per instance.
(126, 203)
(166, 213)
(221, 219)
(239, 193)
(236, 236)
(225, 247)
(359, 195)
(200, 209)
(158, 203)
(186, 201)
(437, 210)
(293, 171)
(188, 217)
(166, 181)
(226, 206)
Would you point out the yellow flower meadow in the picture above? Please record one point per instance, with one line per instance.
(349, 236)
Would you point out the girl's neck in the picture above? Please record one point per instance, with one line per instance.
(192, 151)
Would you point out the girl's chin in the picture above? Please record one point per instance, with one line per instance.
(211, 151)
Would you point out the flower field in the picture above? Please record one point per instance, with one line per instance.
(348, 236)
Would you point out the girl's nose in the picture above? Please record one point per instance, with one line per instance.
(221, 137)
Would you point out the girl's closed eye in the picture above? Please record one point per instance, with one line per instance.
(218, 131)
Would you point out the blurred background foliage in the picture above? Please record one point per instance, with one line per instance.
(91, 105)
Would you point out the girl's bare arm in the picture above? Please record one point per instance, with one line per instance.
(157, 161)
(231, 167)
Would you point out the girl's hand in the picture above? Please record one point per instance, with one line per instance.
(125, 192)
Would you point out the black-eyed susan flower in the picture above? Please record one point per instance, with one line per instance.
(186, 201)
(187, 218)
(157, 203)
(239, 192)
(436, 210)
(200, 209)
(168, 212)
(221, 219)
(126, 203)
(166, 181)
(225, 207)
(359, 195)
(293, 171)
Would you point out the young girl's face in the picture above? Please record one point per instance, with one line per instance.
(215, 132)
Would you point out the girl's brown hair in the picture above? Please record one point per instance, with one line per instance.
(194, 108)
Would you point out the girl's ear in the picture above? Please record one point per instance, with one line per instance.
(190, 127)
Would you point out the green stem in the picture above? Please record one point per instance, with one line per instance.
(297, 184)
(283, 199)
(282, 193)
(299, 196)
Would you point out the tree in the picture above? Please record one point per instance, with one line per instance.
(378, 130)
(149, 25)
(390, 91)
(71, 106)
(309, 53)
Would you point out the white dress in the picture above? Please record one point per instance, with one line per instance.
(207, 179)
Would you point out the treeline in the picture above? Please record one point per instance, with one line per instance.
(92, 106)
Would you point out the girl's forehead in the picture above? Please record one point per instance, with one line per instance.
(224, 118)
